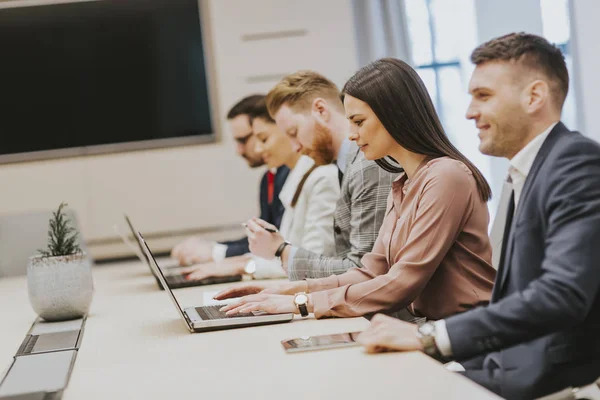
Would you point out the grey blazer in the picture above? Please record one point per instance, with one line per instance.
(541, 331)
(358, 216)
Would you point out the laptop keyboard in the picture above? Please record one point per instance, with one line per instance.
(179, 281)
(212, 312)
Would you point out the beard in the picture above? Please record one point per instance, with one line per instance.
(322, 145)
(254, 162)
(506, 140)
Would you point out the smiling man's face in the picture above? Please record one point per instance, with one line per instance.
(498, 107)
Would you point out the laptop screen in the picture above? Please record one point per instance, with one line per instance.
(137, 241)
(159, 274)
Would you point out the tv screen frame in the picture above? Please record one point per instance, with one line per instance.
(149, 144)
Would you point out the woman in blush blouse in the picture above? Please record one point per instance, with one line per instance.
(432, 255)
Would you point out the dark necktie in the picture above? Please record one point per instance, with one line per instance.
(501, 255)
(340, 176)
(510, 212)
(270, 186)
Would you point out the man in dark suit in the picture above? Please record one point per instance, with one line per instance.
(197, 250)
(541, 331)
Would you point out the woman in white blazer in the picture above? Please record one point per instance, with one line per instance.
(309, 196)
(308, 218)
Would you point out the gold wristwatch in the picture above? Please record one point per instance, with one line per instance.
(426, 334)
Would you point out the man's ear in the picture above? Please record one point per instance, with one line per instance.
(320, 109)
(537, 95)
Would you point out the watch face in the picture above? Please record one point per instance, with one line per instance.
(426, 329)
(301, 299)
(250, 267)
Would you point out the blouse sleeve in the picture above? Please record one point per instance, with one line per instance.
(445, 202)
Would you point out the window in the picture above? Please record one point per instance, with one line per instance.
(556, 27)
(442, 35)
(440, 51)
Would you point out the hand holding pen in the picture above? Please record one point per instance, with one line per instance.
(264, 238)
(265, 228)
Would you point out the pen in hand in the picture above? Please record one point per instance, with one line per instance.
(266, 229)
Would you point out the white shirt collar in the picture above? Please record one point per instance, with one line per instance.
(523, 160)
(521, 163)
(293, 180)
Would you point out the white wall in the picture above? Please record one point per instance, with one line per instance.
(206, 186)
(585, 32)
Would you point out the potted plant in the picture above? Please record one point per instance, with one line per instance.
(60, 277)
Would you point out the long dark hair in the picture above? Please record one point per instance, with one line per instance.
(398, 97)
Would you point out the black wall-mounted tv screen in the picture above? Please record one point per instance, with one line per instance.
(90, 73)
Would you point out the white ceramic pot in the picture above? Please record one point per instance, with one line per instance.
(60, 288)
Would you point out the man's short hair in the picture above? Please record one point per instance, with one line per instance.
(299, 89)
(260, 111)
(245, 106)
(533, 52)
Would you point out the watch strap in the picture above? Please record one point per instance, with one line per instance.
(281, 248)
(303, 310)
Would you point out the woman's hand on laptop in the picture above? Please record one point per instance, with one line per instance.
(269, 303)
(262, 288)
(203, 271)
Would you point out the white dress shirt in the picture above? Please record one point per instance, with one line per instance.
(519, 167)
(520, 164)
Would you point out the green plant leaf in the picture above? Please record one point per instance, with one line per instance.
(62, 238)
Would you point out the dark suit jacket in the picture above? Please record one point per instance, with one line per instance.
(272, 213)
(542, 327)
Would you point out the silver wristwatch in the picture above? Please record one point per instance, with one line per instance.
(250, 268)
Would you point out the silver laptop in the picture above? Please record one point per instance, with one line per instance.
(175, 280)
(210, 318)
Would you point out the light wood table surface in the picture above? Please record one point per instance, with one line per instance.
(135, 346)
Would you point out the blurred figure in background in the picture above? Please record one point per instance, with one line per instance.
(309, 196)
(196, 250)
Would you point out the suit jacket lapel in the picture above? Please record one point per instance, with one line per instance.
(559, 129)
(541, 156)
(280, 177)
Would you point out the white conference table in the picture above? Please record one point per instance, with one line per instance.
(136, 346)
